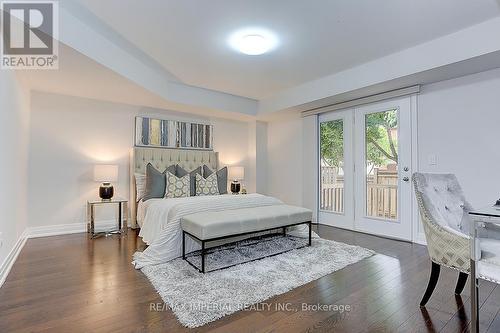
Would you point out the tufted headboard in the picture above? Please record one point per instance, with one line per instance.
(161, 158)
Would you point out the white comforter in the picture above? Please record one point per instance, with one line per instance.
(161, 228)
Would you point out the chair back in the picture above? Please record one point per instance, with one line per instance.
(441, 198)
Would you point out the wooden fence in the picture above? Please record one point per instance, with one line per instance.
(332, 190)
(382, 192)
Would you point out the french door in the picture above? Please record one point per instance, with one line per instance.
(365, 168)
(336, 183)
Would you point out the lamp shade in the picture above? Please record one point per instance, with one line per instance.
(105, 173)
(236, 173)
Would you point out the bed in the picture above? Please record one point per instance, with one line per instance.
(160, 219)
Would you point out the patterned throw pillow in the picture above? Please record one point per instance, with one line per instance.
(207, 186)
(181, 172)
(177, 187)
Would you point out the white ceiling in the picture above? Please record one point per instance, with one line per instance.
(317, 38)
(80, 76)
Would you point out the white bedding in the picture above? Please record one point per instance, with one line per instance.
(141, 211)
(161, 228)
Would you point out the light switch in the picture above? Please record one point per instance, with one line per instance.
(432, 159)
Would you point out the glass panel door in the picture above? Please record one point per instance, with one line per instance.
(332, 166)
(383, 154)
(336, 205)
(381, 160)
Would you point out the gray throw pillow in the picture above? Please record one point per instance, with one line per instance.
(181, 172)
(221, 178)
(156, 182)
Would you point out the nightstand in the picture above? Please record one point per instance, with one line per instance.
(122, 216)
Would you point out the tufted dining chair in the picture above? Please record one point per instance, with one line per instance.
(444, 215)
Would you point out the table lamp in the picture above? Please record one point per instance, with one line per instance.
(236, 173)
(105, 174)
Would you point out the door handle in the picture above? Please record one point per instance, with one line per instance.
(405, 179)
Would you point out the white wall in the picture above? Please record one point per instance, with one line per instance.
(310, 171)
(291, 155)
(284, 148)
(257, 153)
(458, 121)
(261, 158)
(71, 134)
(14, 126)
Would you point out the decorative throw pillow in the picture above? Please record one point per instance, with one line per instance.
(207, 186)
(177, 187)
(181, 172)
(155, 182)
(221, 178)
(140, 186)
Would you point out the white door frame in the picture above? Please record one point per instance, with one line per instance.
(418, 235)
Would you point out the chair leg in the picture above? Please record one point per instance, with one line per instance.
(462, 280)
(432, 283)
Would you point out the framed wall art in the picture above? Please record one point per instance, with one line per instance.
(151, 132)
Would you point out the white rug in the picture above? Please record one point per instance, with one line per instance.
(197, 299)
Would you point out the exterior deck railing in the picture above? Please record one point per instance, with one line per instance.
(381, 196)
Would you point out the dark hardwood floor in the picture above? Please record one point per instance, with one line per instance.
(73, 284)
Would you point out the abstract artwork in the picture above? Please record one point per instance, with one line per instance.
(150, 132)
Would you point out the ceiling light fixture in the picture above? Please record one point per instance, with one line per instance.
(253, 41)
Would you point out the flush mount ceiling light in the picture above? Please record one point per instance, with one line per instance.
(253, 41)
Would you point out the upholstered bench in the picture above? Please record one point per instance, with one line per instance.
(212, 226)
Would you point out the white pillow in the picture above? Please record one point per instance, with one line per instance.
(140, 186)
(207, 186)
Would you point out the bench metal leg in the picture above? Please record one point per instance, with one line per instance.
(284, 231)
(183, 245)
(203, 257)
(310, 233)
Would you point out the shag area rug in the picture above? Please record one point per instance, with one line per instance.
(197, 299)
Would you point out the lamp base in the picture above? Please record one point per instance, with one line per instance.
(106, 191)
(235, 187)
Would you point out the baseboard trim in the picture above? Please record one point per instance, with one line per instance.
(54, 230)
(65, 229)
(46, 231)
(420, 239)
(12, 257)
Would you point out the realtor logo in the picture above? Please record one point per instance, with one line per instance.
(29, 35)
